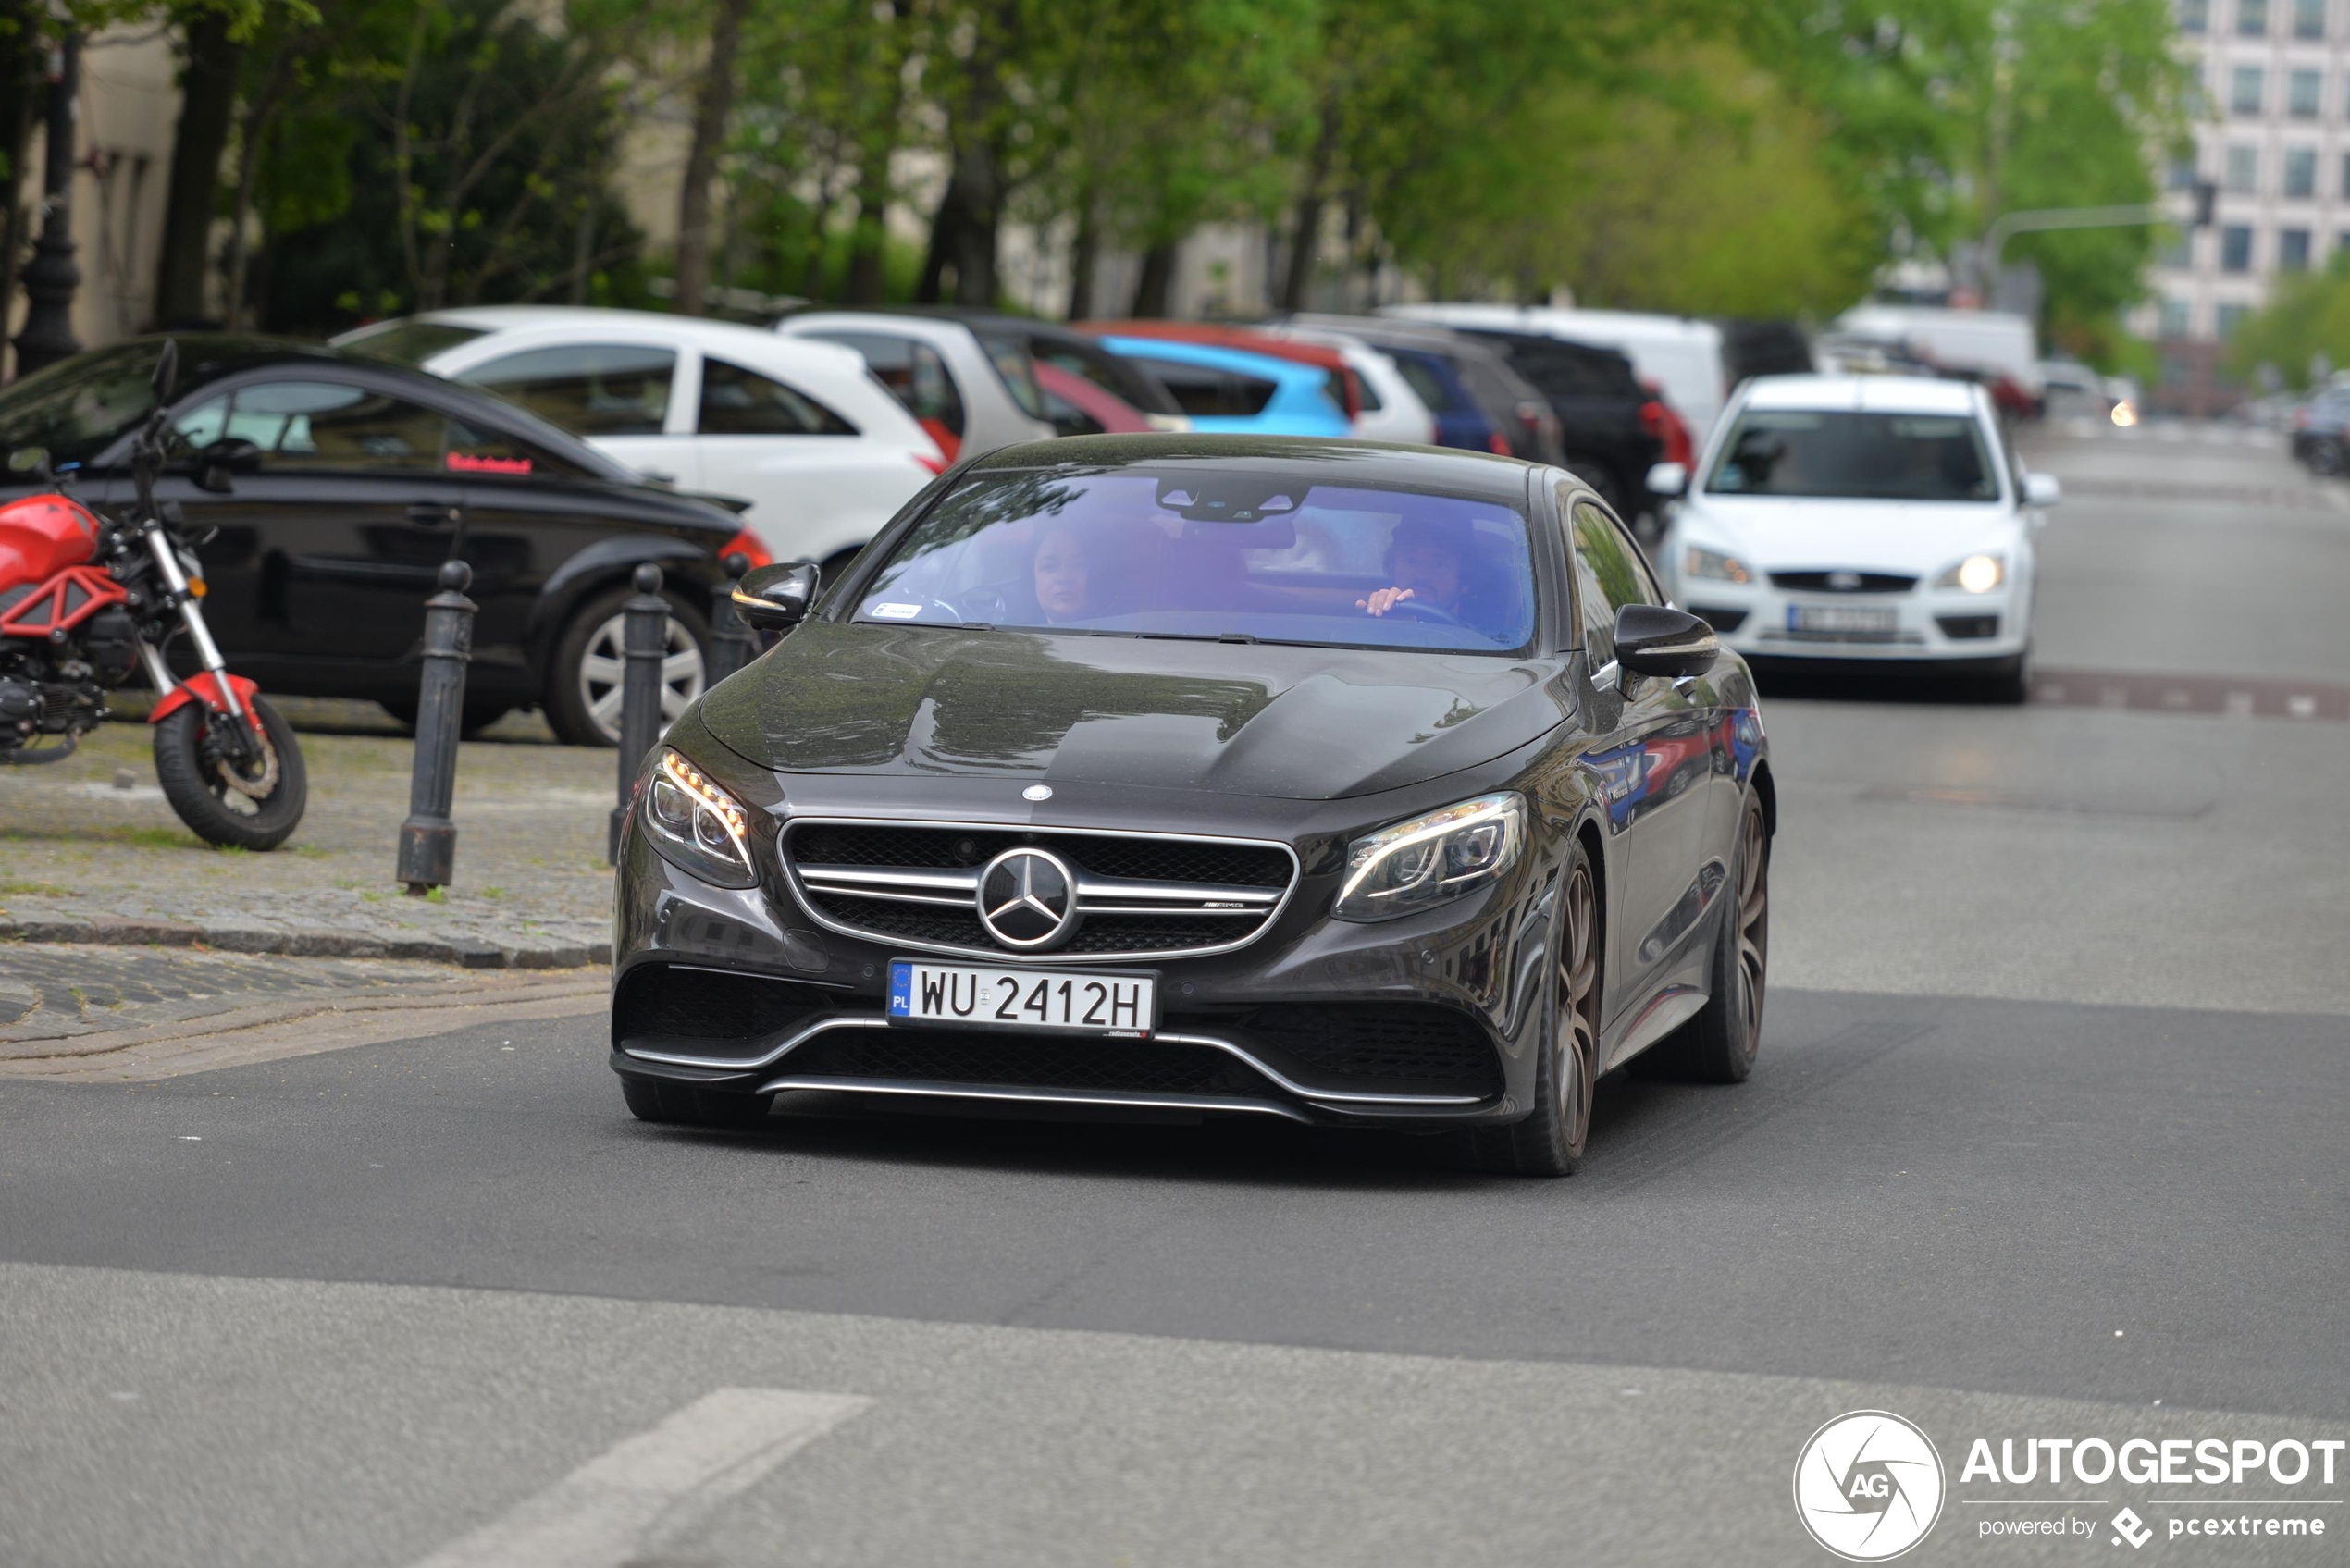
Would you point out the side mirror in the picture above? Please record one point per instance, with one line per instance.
(218, 464)
(30, 463)
(2042, 489)
(1668, 481)
(1656, 639)
(775, 598)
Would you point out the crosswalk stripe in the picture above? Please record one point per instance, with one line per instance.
(622, 1506)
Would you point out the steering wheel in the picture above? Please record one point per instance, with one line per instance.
(1434, 614)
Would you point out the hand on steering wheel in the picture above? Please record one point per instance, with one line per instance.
(1390, 601)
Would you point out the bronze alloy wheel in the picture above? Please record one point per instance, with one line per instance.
(1578, 1027)
(1753, 919)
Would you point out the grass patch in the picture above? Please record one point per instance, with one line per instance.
(32, 889)
(493, 890)
(437, 896)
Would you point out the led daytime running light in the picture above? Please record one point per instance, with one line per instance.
(685, 777)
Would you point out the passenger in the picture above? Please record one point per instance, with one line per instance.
(1063, 577)
(1438, 564)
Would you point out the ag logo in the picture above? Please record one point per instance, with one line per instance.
(1868, 1485)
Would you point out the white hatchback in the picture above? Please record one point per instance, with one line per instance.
(1873, 518)
(801, 430)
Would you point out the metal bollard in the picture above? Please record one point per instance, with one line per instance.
(732, 644)
(645, 642)
(428, 839)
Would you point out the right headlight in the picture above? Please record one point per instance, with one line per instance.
(697, 825)
(1703, 563)
(1432, 859)
(1977, 574)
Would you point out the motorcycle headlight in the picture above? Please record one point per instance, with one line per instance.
(695, 825)
(1430, 859)
(1977, 574)
(1700, 562)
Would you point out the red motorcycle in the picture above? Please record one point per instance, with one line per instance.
(85, 604)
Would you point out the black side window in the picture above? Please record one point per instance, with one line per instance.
(1609, 574)
(735, 401)
(914, 373)
(317, 425)
(1210, 393)
(588, 389)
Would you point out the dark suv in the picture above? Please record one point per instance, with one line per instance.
(1609, 442)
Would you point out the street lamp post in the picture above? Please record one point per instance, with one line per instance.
(51, 277)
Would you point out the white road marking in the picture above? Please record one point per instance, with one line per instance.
(623, 1505)
(2301, 706)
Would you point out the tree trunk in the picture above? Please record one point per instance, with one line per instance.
(972, 245)
(207, 98)
(19, 90)
(1306, 237)
(862, 284)
(713, 107)
(1084, 255)
(945, 226)
(1154, 290)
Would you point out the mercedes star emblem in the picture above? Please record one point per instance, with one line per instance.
(1037, 792)
(1027, 899)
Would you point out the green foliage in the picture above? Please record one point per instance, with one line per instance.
(2307, 315)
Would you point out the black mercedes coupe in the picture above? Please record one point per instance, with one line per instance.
(1348, 783)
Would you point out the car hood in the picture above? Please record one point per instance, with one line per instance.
(1308, 724)
(1794, 534)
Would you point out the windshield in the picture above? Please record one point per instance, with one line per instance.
(1847, 455)
(1268, 556)
(77, 407)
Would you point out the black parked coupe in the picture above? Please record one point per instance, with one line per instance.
(338, 485)
(1340, 783)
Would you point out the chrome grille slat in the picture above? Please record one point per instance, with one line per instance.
(1125, 918)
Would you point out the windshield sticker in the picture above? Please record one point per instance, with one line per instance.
(465, 462)
(895, 612)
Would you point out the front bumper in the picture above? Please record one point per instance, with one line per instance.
(1926, 624)
(1419, 1023)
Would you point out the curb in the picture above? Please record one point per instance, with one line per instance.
(465, 952)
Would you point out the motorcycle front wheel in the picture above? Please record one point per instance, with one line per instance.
(257, 805)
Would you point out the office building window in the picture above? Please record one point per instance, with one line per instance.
(2244, 170)
(2293, 250)
(2178, 317)
(2308, 18)
(2194, 16)
(2301, 172)
(2178, 250)
(2235, 248)
(2301, 95)
(2232, 317)
(2252, 18)
(2181, 174)
(2245, 89)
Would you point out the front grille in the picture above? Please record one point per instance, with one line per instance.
(1139, 894)
(1844, 583)
(1405, 1045)
(719, 1010)
(1719, 619)
(975, 1060)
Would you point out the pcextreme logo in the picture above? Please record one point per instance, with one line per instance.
(1868, 1485)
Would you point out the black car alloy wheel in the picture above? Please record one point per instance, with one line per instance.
(1551, 1141)
(584, 682)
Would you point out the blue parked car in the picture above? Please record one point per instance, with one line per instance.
(1233, 390)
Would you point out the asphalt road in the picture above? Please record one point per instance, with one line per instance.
(2044, 1143)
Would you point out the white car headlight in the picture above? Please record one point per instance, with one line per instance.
(1699, 561)
(697, 825)
(1432, 859)
(1977, 574)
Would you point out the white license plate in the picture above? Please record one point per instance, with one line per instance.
(1848, 619)
(1084, 1003)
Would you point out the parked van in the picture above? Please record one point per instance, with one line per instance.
(1681, 355)
(1990, 342)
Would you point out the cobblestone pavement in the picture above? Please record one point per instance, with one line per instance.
(113, 1013)
(91, 852)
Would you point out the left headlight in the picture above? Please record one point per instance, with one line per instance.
(1977, 574)
(1430, 859)
(697, 825)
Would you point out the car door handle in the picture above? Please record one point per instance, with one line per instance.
(433, 513)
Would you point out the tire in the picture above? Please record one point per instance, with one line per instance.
(1551, 1141)
(2325, 458)
(682, 1104)
(194, 778)
(1719, 1044)
(2010, 684)
(479, 715)
(583, 678)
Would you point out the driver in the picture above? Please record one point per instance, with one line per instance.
(1430, 563)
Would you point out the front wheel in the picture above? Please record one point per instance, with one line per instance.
(1549, 1142)
(584, 678)
(252, 805)
(1719, 1044)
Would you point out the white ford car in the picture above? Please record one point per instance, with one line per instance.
(1856, 518)
(800, 429)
